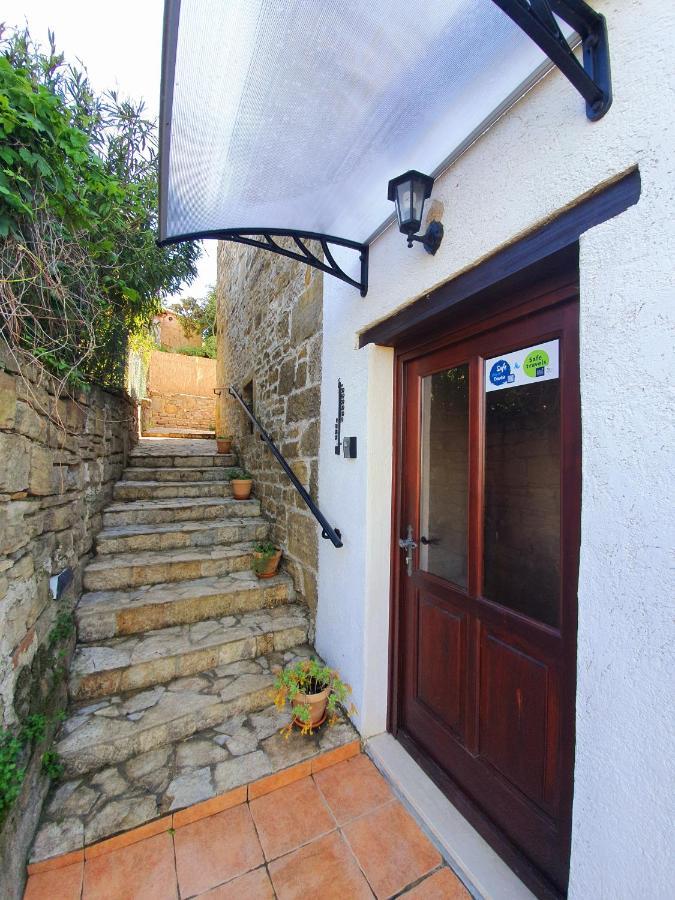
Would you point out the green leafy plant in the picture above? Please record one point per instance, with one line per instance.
(79, 265)
(14, 753)
(263, 552)
(309, 676)
(62, 628)
(11, 771)
(225, 437)
(238, 475)
(51, 765)
(34, 729)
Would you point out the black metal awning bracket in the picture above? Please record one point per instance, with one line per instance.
(263, 239)
(592, 79)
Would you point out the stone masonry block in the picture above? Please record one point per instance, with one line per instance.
(307, 315)
(15, 469)
(7, 400)
(304, 405)
(41, 470)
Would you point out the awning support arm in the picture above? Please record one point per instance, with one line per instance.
(592, 79)
(263, 238)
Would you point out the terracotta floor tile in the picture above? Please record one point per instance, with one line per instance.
(141, 871)
(353, 787)
(56, 884)
(216, 849)
(325, 868)
(290, 816)
(442, 885)
(255, 885)
(391, 848)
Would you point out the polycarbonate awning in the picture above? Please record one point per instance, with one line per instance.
(290, 116)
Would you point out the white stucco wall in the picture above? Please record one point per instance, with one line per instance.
(538, 159)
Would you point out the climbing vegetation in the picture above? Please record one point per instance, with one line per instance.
(79, 266)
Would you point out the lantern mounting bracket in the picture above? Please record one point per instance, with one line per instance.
(592, 79)
(264, 239)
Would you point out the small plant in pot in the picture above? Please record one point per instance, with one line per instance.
(313, 691)
(242, 483)
(266, 559)
(224, 443)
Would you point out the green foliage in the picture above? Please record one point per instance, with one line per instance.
(197, 315)
(309, 676)
(192, 351)
(11, 772)
(34, 729)
(14, 746)
(79, 267)
(51, 765)
(62, 629)
(265, 548)
(263, 552)
(143, 343)
(210, 346)
(238, 474)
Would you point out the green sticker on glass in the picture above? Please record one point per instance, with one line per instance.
(535, 363)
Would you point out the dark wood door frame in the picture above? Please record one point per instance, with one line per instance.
(481, 314)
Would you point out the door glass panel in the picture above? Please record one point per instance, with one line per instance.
(444, 474)
(522, 489)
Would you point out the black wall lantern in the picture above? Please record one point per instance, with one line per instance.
(409, 191)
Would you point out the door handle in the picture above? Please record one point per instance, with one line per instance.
(426, 541)
(408, 544)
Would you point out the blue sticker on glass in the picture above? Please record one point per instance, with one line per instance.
(500, 372)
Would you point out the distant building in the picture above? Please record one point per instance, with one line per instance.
(169, 331)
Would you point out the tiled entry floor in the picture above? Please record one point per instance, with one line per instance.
(339, 833)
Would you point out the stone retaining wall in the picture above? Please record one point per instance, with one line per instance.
(180, 390)
(269, 341)
(59, 459)
(183, 410)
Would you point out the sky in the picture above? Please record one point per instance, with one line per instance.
(121, 46)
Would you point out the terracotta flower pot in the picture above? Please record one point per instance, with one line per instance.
(241, 488)
(317, 705)
(224, 445)
(269, 570)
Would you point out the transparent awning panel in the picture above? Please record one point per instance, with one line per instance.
(294, 114)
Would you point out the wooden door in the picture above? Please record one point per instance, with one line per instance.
(485, 605)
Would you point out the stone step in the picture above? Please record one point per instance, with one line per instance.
(177, 509)
(161, 490)
(120, 571)
(173, 536)
(117, 727)
(126, 768)
(106, 614)
(156, 657)
(201, 461)
(175, 431)
(154, 473)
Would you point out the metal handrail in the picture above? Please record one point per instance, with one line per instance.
(328, 532)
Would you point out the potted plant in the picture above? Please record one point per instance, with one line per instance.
(313, 692)
(224, 443)
(242, 483)
(266, 559)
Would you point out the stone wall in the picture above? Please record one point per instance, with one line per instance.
(180, 390)
(181, 410)
(59, 461)
(269, 346)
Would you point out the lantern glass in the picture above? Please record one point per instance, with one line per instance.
(409, 192)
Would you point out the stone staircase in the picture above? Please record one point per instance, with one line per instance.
(177, 644)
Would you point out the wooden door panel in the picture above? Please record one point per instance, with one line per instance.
(514, 694)
(441, 637)
(484, 685)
